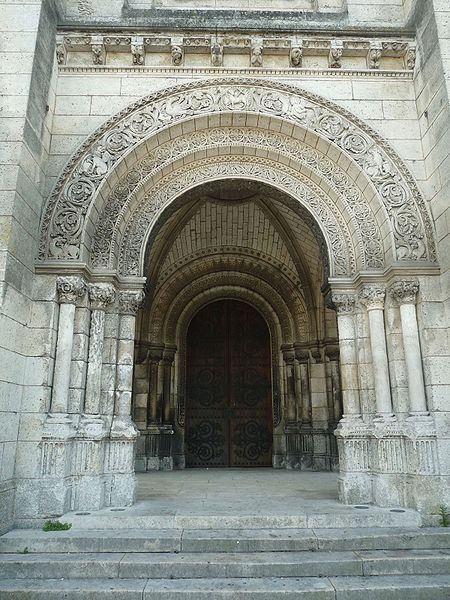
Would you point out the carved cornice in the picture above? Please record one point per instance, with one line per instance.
(63, 223)
(70, 289)
(101, 295)
(213, 46)
(372, 297)
(405, 292)
(130, 302)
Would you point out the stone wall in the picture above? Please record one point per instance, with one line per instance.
(26, 61)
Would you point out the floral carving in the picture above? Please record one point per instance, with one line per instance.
(216, 55)
(177, 56)
(63, 222)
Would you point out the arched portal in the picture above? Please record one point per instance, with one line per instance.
(229, 416)
(257, 192)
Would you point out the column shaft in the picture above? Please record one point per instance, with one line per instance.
(94, 369)
(380, 361)
(63, 359)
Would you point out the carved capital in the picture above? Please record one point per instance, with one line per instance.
(130, 302)
(372, 297)
(70, 289)
(343, 303)
(288, 354)
(100, 295)
(405, 292)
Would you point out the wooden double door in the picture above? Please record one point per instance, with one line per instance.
(229, 390)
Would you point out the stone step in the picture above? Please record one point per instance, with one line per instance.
(225, 565)
(436, 587)
(227, 540)
(136, 517)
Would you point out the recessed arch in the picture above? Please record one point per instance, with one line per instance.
(64, 222)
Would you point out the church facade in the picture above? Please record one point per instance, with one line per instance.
(224, 243)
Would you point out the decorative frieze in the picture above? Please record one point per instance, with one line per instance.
(295, 51)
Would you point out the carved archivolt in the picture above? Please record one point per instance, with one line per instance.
(243, 271)
(135, 232)
(64, 219)
(128, 188)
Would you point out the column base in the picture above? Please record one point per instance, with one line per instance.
(91, 427)
(355, 488)
(123, 428)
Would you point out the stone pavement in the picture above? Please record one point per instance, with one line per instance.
(248, 498)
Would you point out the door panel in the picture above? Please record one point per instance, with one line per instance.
(229, 399)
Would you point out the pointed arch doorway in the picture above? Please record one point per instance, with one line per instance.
(229, 388)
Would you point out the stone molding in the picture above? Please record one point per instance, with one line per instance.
(405, 292)
(63, 223)
(101, 295)
(70, 289)
(130, 302)
(213, 47)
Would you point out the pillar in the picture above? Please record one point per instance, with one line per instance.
(405, 292)
(289, 358)
(372, 297)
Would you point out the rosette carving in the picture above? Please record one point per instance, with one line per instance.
(70, 289)
(405, 292)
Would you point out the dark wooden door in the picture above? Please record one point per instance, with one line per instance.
(229, 391)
